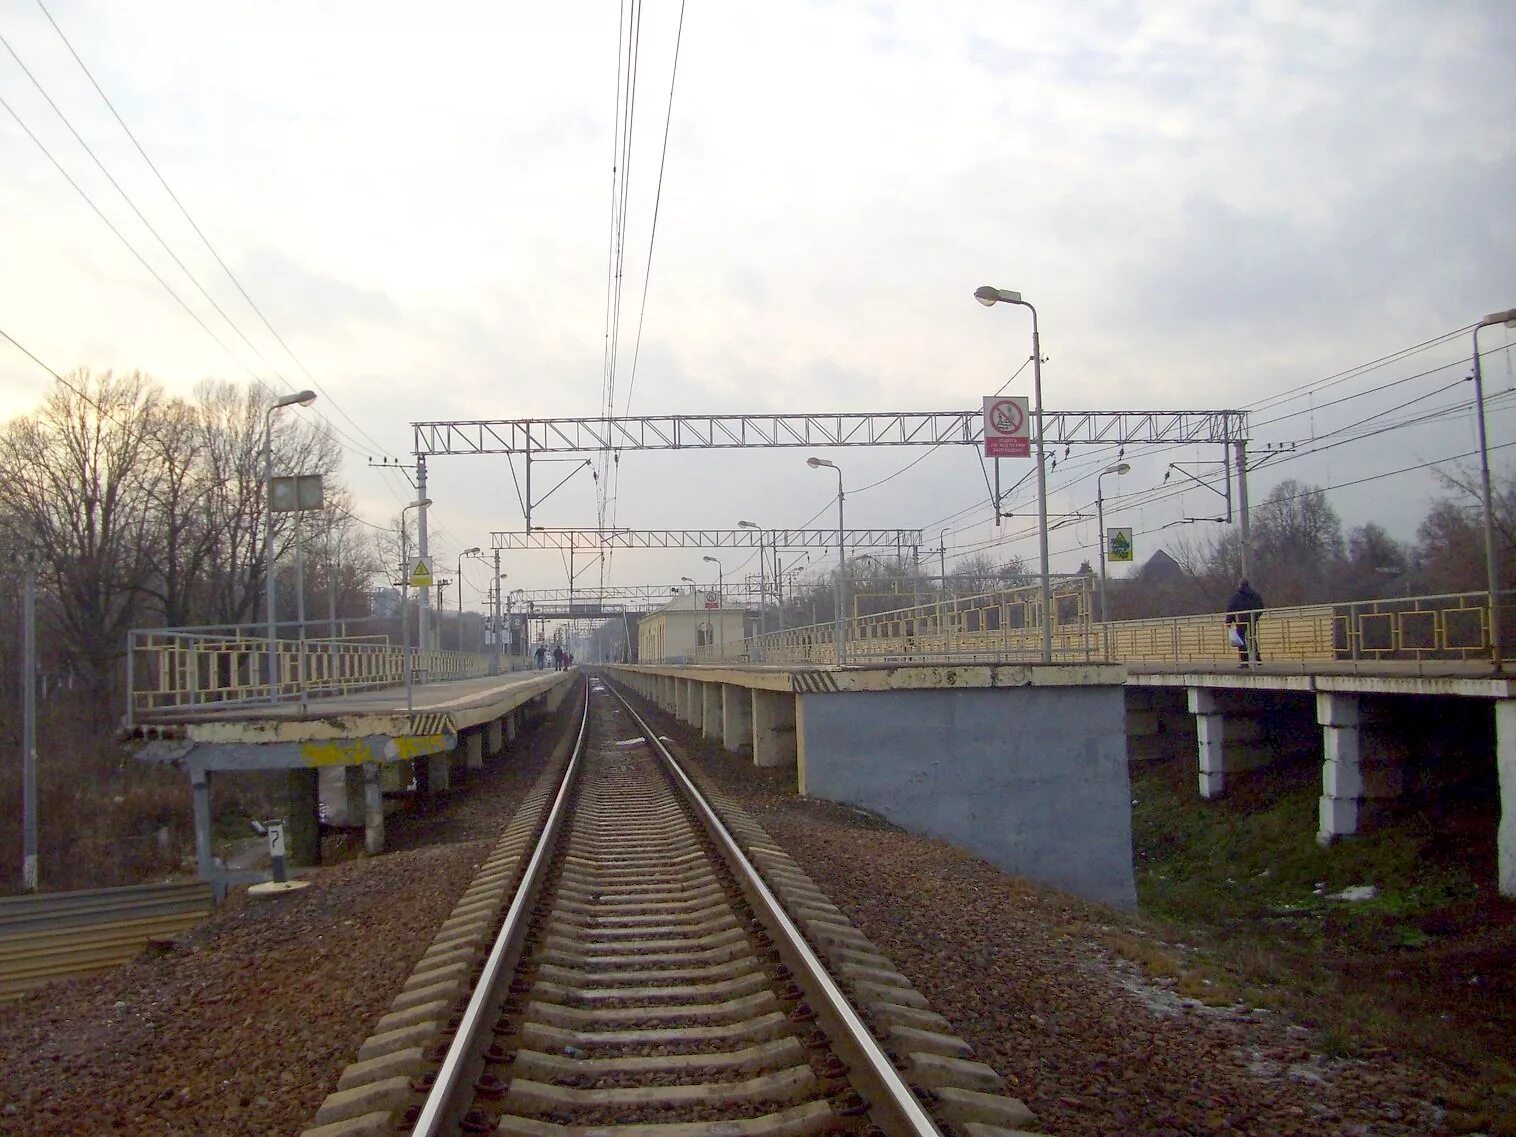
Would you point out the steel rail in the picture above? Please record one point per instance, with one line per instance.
(462, 1050)
(903, 1100)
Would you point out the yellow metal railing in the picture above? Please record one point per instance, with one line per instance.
(185, 668)
(1006, 627)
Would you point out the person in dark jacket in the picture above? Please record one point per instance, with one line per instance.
(1242, 613)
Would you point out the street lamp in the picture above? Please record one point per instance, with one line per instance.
(763, 588)
(690, 581)
(816, 464)
(1118, 469)
(473, 552)
(989, 296)
(1491, 557)
(721, 601)
(304, 399)
(405, 594)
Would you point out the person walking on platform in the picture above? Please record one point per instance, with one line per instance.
(1242, 613)
(541, 657)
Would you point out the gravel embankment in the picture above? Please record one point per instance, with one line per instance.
(245, 1028)
(1079, 1034)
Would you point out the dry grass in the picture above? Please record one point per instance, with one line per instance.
(102, 819)
(1423, 970)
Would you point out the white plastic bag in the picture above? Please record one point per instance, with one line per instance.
(1234, 633)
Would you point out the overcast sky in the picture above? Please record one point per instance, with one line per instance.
(1212, 205)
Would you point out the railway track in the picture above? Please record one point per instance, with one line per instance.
(627, 962)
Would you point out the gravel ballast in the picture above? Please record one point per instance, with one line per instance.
(244, 1028)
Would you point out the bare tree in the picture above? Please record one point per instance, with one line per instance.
(80, 477)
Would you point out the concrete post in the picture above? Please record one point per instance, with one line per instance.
(668, 693)
(439, 772)
(512, 725)
(683, 689)
(710, 713)
(302, 828)
(473, 750)
(773, 728)
(200, 791)
(373, 809)
(736, 718)
(1210, 732)
(493, 735)
(1341, 767)
(1505, 771)
(352, 795)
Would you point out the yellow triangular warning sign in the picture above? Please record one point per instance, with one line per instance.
(421, 572)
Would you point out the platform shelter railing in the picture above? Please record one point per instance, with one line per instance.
(181, 668)
(1004, 627)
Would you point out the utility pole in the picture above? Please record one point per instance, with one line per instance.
(424, 601)
(1242, 507)
(29, 879)
(499, 631)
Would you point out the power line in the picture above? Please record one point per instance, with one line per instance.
(380, 449)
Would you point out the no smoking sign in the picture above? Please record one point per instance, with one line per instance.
(1006, 434)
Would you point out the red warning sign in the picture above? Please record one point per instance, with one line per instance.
(1006, 433)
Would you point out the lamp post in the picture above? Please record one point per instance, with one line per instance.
(1491, 554)
(989, 296)
(721, 602)
(304, 399)
(840, 633)
(763, 587)
(1118, 469)
(405, 594)
(473, 552)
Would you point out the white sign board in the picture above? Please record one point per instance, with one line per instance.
(1007, 430)
(713, 600)
(276, 838)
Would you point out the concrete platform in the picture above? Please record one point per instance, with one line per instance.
(371, 738)
(346, 730)
(1023, 764)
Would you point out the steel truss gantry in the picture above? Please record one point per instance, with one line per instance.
(593, 540)
(861, 428)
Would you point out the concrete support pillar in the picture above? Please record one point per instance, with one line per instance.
(494, 735)
(1364, 758)
(302, 828)
(200, 792)
(710, 714)
(1228, 738)
(1210, 736)
(668, 693)
(1341, 767)
(473, 750)
(684, 692)
(352, 795)
(512, 725)
(439, 772)
(558, 693)
(1157, 728)
(1505, 771)
(373, 808)
(736, 718)
(773, 728)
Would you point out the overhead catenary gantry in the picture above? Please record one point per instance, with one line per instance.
(529, 436)
(582, 540)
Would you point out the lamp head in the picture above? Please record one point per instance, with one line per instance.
(748, 525)
(1507, 317)
(304, 398)
(422, 504)
(1118, 468)
(817, 463)
(989, 296)
(471, 552)
(712, 560)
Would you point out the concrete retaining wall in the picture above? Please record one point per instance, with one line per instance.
(1032, 779)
